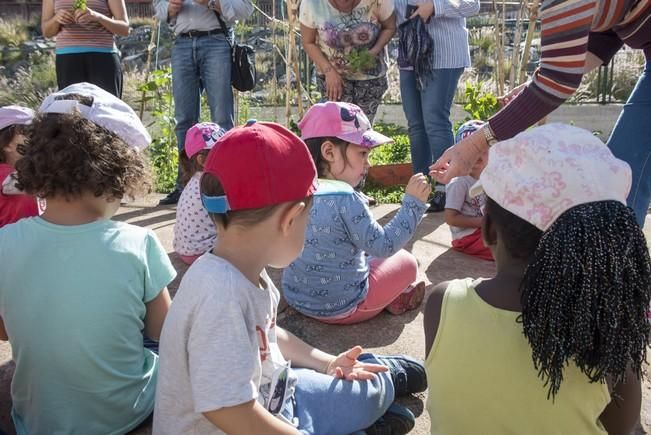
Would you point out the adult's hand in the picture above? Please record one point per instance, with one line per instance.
(459, 159)
(64, 16)
(334, 85)
(424, 11)
(86, 16)
(175, 7)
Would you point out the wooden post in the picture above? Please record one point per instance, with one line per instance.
(515, 58)
(533, 15)
(150, 47)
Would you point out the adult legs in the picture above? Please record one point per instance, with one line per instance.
(436, 101)
(631, 142)
(325, 405)
(421, 155)
(70, 69)
(186, 90)
(214, 62)
(105, 71)
(367, 94)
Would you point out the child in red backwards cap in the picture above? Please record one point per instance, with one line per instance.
(14, 205)
(226, 366)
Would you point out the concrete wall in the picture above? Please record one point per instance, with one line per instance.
(593, 117)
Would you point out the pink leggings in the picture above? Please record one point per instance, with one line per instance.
(188, 259)
(387, 279)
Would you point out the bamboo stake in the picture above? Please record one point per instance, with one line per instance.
(533, 15)
(515, 58)
(274, 80)
(150, 47)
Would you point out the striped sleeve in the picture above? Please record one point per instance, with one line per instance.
(565, 26)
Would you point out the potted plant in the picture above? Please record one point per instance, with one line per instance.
(391, 163)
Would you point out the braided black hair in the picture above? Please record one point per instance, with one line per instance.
(585, 294)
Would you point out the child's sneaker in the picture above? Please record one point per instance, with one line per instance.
(398, 420)
(436, 199)
(407, 374)
(409, 300)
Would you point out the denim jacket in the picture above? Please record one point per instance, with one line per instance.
(330, 277)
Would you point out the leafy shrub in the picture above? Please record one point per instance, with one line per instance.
(163, 152)
(385, 195)
(13, 33)
(30, 84)
(397, 152)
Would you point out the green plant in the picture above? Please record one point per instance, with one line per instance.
(79, 4)
(397, 152)
(30, 84)
(479, 105)
(385, 195)
(163, 153)
(361, 60)
(13, 33)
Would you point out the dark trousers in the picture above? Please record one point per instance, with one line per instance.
(101, 69)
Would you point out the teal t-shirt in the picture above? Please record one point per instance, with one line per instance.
(72, 299)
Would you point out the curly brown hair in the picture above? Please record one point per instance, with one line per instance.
(67, 155)
(8, 134)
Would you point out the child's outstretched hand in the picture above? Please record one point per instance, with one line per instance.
(419, 187)
(346, 366)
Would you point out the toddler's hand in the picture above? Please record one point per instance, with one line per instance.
(346, 366)
(419, 187)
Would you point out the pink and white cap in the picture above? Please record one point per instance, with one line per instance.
(344, 121)
(543, 172)
(202, 136)
(13, 115)
(107, 111)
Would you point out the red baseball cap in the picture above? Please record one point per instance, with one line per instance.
(259, 164)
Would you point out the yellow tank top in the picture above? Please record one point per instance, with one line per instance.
(482, 379)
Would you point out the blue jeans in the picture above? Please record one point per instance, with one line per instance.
(428, 115)
(201, 63)
(631, 142)
(328, 406)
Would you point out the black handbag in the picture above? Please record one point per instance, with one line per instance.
(243, 73)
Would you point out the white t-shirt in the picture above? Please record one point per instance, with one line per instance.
(457, 197)
(340, 35)
(194, 232)
(218, 346)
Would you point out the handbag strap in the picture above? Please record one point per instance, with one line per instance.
(223, 27)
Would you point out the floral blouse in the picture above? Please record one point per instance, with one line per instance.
(344, 38)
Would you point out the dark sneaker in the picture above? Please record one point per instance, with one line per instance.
(172, 198)
(436, 201)
(407, 374)
(398, 420)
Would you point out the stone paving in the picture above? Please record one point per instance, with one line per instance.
(385, 334)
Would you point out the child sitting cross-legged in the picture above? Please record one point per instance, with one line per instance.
(226, 366)
(463, 212)
(77, 289)
(194, 232)
(352, 267)
(554, 343)
(14, 204)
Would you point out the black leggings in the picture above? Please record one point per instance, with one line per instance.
(101, 69)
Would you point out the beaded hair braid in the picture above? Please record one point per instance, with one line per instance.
(585, 295)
